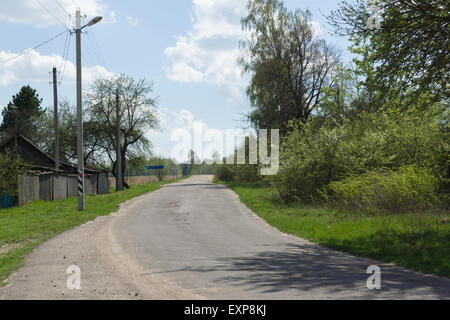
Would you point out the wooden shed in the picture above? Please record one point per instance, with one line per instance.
(54, 183)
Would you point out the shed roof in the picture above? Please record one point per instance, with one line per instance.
(30, 153)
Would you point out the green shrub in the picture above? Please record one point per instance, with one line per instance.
(10, 168)
(320, 152)
(224, 172)
(408, 188)
(310, 159)
(247, 173)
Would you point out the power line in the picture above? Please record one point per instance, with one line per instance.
(59, 4)
(99, 49)
(96, 49)
(36, 47)
(65, 48)
(90, 59)
(50, 13)
(65, 54)
(65, 60)
(93, 51)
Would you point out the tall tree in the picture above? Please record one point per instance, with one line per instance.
(348, 98)
(92, 133)
(137, 113)
(288, 63)
(22, 113)
(410, 51)
(67, 131)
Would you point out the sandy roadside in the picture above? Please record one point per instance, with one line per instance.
(107, 272)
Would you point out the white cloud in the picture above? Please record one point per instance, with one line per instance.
(182, 72)
(317, 30)
(35, 67)
(210, 50)
(44, 13)
(133, 21)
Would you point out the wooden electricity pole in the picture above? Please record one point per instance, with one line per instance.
(119, 178)
(55, 118)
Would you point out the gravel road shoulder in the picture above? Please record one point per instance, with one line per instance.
(107, 272)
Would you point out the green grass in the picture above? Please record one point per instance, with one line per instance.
(418, 241)
(23, 229)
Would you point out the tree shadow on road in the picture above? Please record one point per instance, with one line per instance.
(327, 273)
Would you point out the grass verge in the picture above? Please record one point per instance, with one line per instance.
(23, 229)
(418, 241)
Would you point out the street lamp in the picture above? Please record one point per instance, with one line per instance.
(93, 21)
(78, 29)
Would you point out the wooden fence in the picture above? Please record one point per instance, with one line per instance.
(52, 186)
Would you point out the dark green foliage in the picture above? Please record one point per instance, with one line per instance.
(247, 173)
(26, 116)
(289, 65)
(67, 132)
(11, 167)
(225, 173)
(411, 50)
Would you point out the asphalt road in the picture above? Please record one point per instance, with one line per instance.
(198, 236)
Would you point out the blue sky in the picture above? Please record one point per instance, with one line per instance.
(187, 47)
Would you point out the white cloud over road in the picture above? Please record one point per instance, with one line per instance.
(34, 67)
(45, 13)
(209, 52)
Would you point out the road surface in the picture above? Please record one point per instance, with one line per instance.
(196, 240)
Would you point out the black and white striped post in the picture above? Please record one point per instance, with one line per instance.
(80, 184)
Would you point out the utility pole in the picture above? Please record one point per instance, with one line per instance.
(55, 118)
(81, 204)
(119, 178)
(16, 109)
(80, 154)
(16, 130)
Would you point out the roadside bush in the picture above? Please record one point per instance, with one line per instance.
(315, 154)
(408, 188)
(224, 172)
(241, 173)
(10, 169)
(310, 159)
(247, 173)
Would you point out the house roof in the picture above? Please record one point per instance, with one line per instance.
(64, 166)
